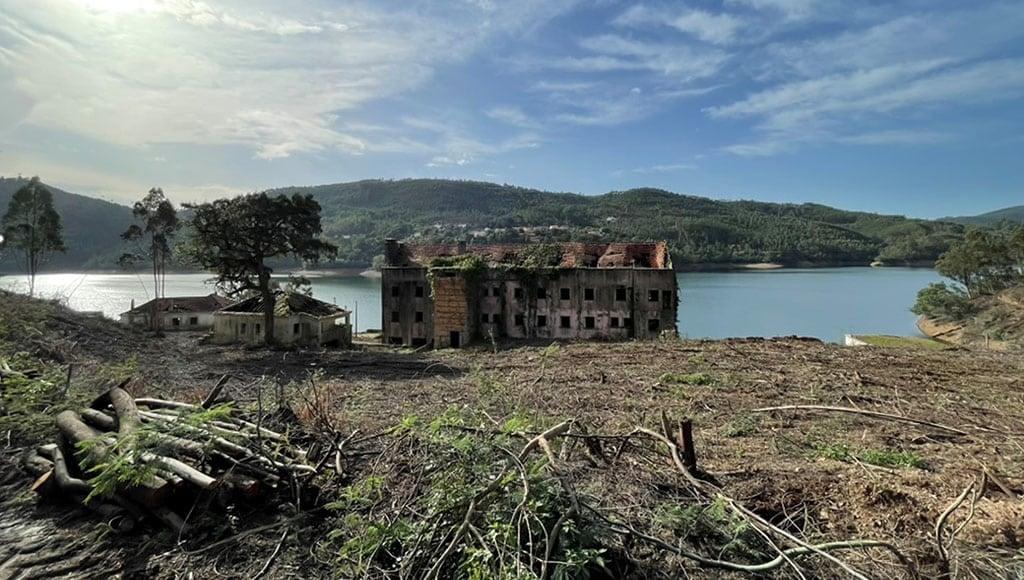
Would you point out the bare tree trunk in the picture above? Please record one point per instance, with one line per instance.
(268, 306)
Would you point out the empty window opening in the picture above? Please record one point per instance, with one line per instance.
(654, 325)
(627, 323)
(243, 328)
(194, 320)
(175, 322)
(517, 293)
(419, 317)
(257, 329)
(588, 293)
(564, 294)
(666, 296)
(395, 340)
(588, 322)
(620, 293)
(542, 293)
(395, 316)
(652, 295)
(497, 291)
(296, 328)
(396, 291)
(419, 342)
(485, 318)
(495, 319)
(565, 322)
(542, 321)
(520, 320)
(614, 322)
(419, 291)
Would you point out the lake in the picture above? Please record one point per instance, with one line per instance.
(823, 303)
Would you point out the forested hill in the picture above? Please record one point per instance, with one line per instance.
(1010, 214)
(361, 214)
(91, 229)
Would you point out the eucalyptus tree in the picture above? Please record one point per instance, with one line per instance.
(32, 228)
(152, 240)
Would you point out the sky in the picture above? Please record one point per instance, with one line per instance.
(913, 107)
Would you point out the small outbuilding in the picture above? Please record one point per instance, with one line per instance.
(178, 313)
(298, 319)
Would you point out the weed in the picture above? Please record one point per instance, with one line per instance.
(692, 379)
(891, 458)
(834, 451)
(743, 426)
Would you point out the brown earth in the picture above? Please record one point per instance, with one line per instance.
(819, 474)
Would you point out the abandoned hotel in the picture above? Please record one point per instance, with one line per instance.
(452, 295)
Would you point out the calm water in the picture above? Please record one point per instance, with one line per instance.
(823, 303)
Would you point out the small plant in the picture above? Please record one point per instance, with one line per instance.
(834, 451)
(693, 379)
(743, 426)
(891, 458)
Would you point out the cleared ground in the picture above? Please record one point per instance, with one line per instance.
(820, 475)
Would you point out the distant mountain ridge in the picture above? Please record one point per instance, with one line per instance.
(700, 231)
(1012, 214)
(91, 229)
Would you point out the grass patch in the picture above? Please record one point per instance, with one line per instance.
(888, 341)
(743, 426)
(692, 379)
(890, 458)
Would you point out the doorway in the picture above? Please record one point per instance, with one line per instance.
(454, 339)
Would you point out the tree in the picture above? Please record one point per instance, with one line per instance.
(981, 263)
(159, 226)
(941, 301)
(32, 227)
(235, 238)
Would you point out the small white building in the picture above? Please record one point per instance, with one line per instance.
(298, 319)
(178, 313)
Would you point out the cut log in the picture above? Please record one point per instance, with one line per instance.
(62, 476)
(165, 404)
(211, 399)
(126, 411)
(183, 470)
(99, 419)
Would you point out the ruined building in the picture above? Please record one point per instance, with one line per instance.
(451, 295)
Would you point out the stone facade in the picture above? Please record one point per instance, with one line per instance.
(600, 296)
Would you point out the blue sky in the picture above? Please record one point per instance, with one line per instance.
(913, 107)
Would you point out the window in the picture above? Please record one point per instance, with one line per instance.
(652, 295)
(542, 293)
(395, 317)
(565, 322)
(395, 291)
(296, 328)
(615, 322)
(485, 318)
(654, 325)
(243, 328)
(588, 293)
(517, 293)
(588, 322)
(620, 293)
(519, 320)
(484, 292)
(419, 291)
(257, 328)
(193, 320)
(627, 323)
(397, 340)
(495, 319)
(175, 322)
(564, 294)
(419, 317)
(542, 321)
(497, 291)
(419, 342)
(666, 297)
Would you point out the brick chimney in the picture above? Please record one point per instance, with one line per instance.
(391, 252)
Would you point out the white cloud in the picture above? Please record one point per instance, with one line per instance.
(667, 168)
(791, 9)
(513, 116)
(714, 28)
(896, 137)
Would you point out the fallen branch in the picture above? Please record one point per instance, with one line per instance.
(875, 414)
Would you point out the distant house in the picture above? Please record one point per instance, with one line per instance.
(298, 319)
(178, 313)
(455, 294)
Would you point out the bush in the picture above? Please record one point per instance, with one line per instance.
(939, 300)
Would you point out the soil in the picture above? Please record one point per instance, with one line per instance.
(828, 475)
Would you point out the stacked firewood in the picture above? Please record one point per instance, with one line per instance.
(129, 458)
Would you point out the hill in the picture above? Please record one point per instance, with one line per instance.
(700, 231)
(1012, 214)
(91, 228)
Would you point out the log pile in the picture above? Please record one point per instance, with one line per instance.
(132, 459)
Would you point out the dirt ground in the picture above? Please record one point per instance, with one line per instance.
(825, 474)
